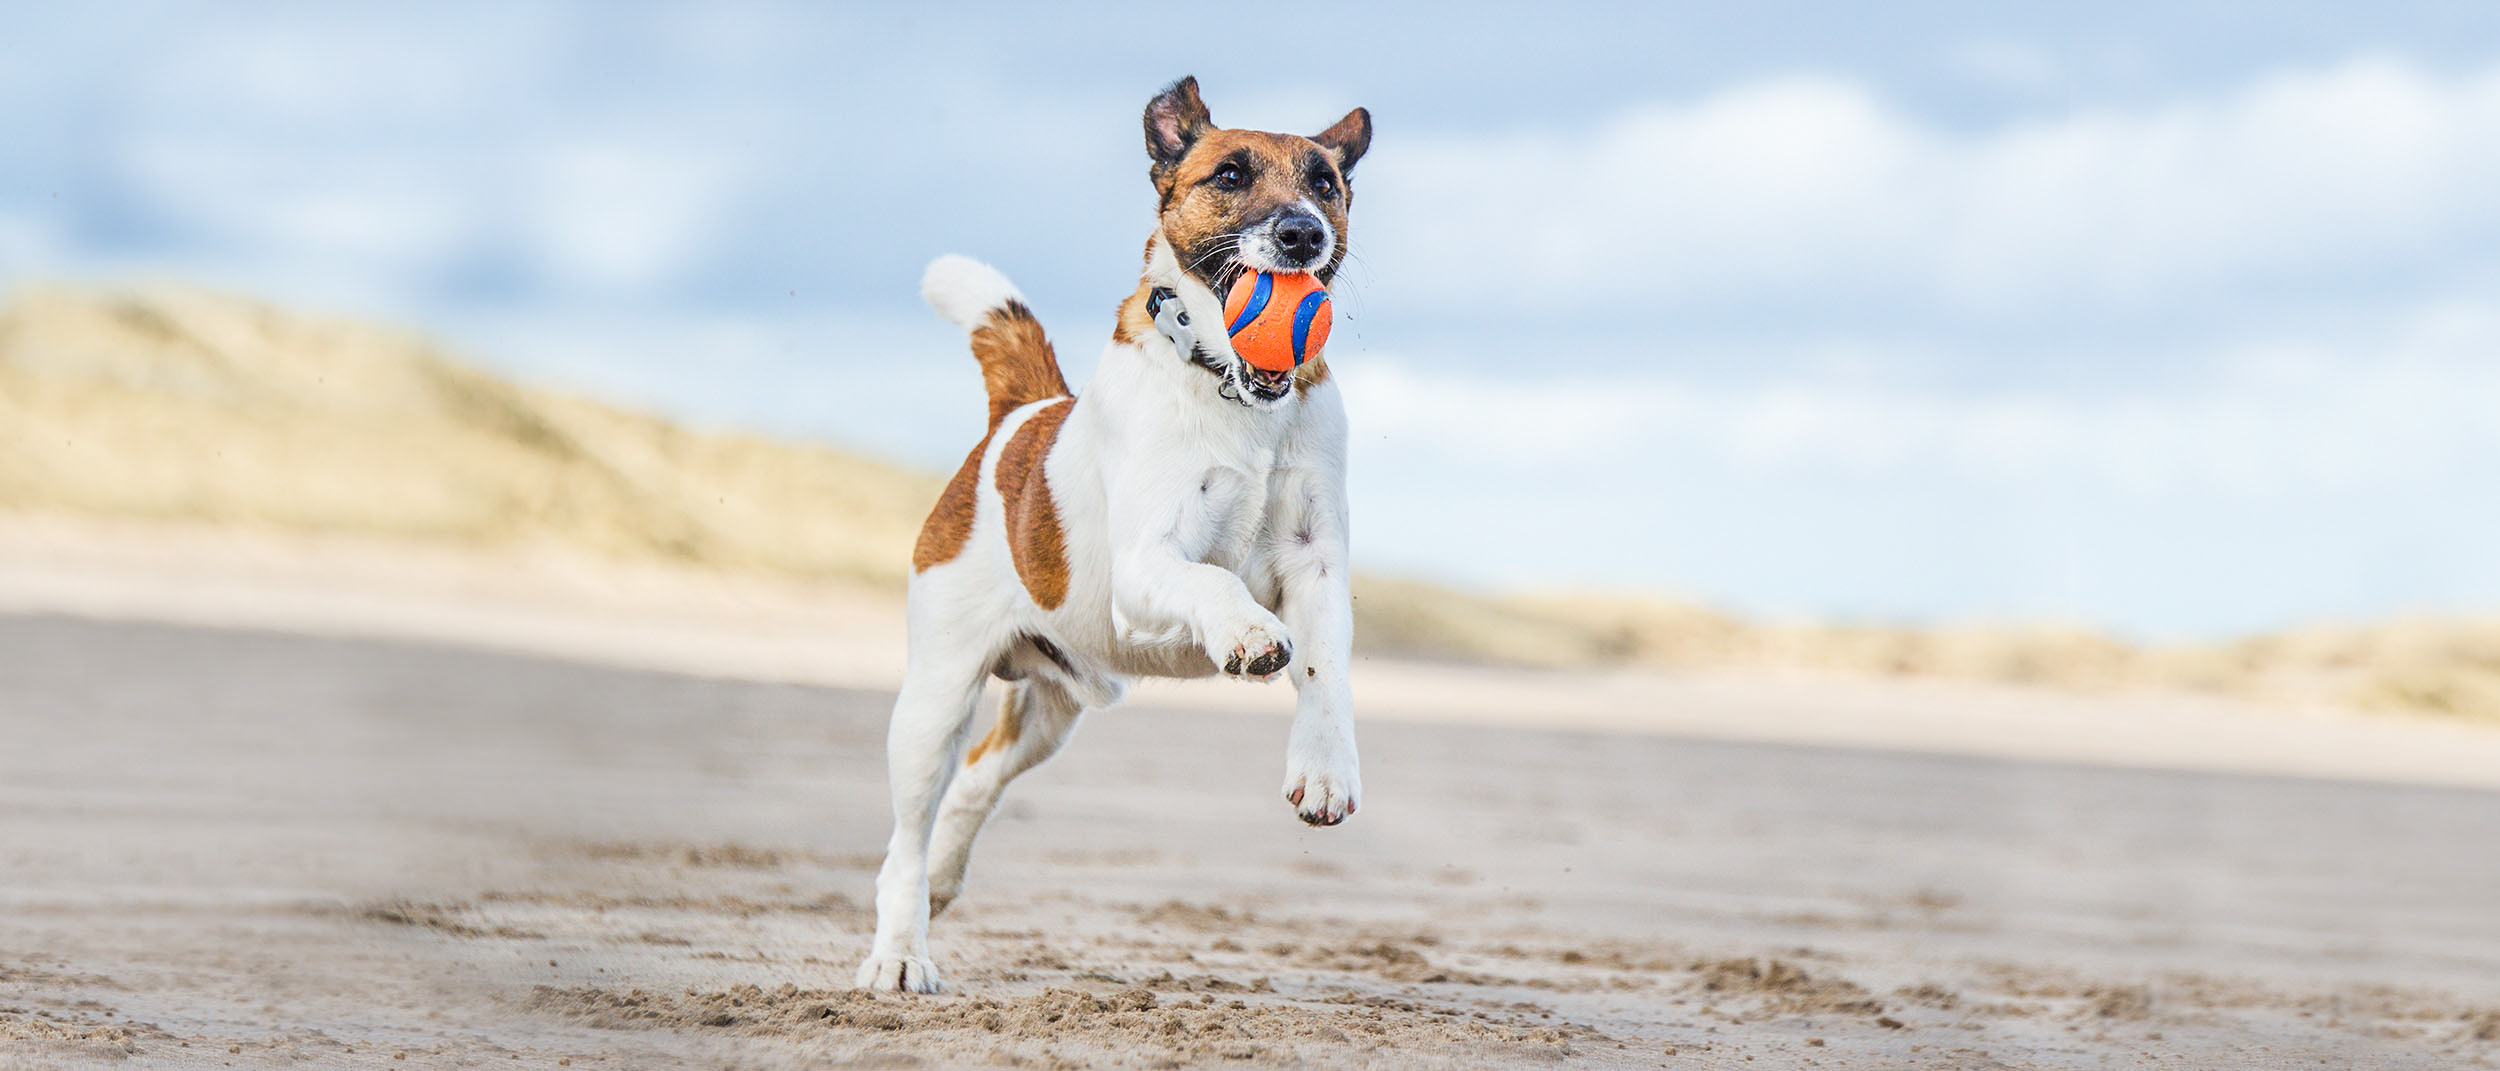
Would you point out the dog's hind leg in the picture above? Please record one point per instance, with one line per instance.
(939, 692)
(1034, 718)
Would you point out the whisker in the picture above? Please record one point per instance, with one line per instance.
(1224, 246)
(1346, 285)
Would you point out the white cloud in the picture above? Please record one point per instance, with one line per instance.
(625, 216)
(371, 207)
(622, 215)
(1802, 187)
(410, 150)
(2266, 419)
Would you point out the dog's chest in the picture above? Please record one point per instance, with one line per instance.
(1229, 509)
(1211, 458)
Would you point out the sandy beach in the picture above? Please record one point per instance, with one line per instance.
(255, 848)
(735, 626)
(1878, 539)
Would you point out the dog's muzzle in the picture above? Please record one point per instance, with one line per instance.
(1292, 240)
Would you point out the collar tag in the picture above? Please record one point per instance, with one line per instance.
(1172, 318)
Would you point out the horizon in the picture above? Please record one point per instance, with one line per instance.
(2145, 324)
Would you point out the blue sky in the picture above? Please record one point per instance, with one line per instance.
(2176, 319)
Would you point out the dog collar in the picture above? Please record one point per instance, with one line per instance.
(1171, 317)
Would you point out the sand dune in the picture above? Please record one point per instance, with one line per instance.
(175, 405)
(2432, 666)
(180, 405)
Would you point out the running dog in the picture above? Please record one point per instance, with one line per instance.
(1185, 517)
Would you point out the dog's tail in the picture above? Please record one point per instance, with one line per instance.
(1017, 364)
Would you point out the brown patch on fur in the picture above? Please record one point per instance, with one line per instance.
(1018, 366)
(1033, 533)
(1348, 139)
(1134, 325)
(1004, 731)
(942, 536)
(1312, 373)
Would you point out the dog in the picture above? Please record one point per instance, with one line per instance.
(1184, 517)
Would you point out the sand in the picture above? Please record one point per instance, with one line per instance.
(745, 627)
(240, 848)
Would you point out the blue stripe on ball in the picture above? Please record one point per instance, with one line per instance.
(1257, 305)
(1302, 316)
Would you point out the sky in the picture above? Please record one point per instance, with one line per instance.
(2180, 320)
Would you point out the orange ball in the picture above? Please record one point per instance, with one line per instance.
(1277, 320)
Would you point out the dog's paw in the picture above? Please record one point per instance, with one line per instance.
(1320, 795)
(1259, 652)
(898, 974)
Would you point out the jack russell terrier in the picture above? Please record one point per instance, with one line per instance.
(1185, 517)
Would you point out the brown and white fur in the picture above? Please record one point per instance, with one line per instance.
(1180, 519)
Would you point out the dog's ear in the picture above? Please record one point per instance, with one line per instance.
(1349, 138)
(1174, 121)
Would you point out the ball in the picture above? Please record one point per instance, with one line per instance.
(1277, 320)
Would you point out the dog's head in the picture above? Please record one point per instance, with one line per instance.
(1248, 200)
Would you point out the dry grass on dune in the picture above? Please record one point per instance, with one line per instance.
(2449, 667)
(180, 405)
(2440, 667)
(184, 406)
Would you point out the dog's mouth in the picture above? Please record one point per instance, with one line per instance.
(1266, 385)
(1257, 382)
(1226, 273)
(1220, 271)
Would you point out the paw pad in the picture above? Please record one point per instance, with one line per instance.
(1273, 660)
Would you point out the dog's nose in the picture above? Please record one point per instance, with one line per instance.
(1299, 238)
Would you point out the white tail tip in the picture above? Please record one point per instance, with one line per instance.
(965, 290)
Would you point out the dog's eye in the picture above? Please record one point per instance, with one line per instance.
(1323, 185)
(1231, 177)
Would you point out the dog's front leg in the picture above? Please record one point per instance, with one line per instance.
(1159, 583)
(1323, 779)
(1155, 586)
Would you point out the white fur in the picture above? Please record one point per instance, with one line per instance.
(964, 290)
(1198, 531)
